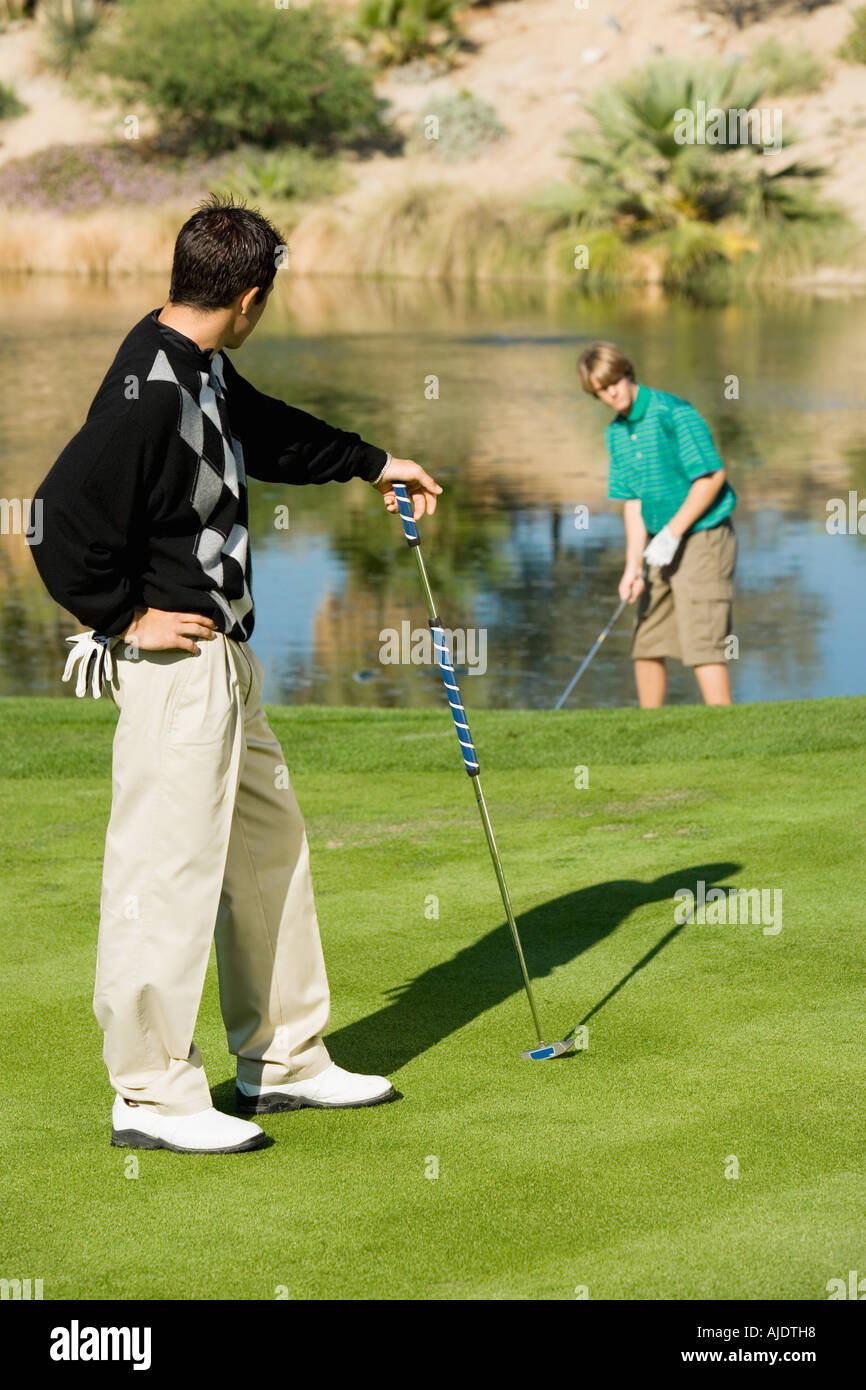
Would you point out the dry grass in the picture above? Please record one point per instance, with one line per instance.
(427, 231)
(108, 243)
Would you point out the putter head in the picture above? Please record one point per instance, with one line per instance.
(545, 1051)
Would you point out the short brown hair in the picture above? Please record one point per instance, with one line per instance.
(606, 363)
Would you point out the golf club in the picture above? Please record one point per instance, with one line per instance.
(544, 1050)
(592, 651)
(590, 654)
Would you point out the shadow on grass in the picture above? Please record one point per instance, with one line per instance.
(424, 1011)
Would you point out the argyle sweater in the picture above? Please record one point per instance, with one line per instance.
(147, 505)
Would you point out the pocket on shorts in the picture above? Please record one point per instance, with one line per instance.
(725, 543)
(703, 594)
(704, 625)
(707, 567)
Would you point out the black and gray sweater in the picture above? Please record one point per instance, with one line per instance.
(147, 505)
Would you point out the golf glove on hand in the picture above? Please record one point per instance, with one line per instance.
(91, 652)
(662, 548)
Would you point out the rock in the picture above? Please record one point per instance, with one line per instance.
(420, 70)
(592, 55)
(700, 31)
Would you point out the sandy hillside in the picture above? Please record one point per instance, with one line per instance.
(539, 60)
(54, 115)
(536, 61)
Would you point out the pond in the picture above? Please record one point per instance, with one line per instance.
(479, 385)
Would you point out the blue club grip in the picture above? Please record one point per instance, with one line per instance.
(443, 656)
(407, 513)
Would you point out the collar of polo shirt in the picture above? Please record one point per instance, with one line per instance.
(639, 405)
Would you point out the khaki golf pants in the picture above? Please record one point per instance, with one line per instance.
(205, 840)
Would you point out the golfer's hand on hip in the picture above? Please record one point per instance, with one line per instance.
(631, 586)
(421, 487)
(154, 630)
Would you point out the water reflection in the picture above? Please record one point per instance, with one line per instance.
(517, 447)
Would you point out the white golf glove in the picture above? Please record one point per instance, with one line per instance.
(91, 651)
(662, 548)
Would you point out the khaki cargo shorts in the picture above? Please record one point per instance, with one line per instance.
(685, 609)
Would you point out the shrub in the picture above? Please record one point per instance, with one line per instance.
(278, 175)
(854, 46)
(396, 31)
(13, 10)
(73, 178)
(781, 69)
(223, 72)
(71, 27)
(744, 12)
(67, 179)
(689, 205)
(466, 126)
(9, 103)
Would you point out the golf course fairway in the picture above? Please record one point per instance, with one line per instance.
(707, 1141)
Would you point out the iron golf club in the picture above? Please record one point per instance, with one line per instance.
(544, 1050)
(592, 651)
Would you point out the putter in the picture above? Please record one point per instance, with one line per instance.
(544, 1050)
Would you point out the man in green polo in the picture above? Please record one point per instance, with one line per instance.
(665, 468)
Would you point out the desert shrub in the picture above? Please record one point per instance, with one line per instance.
(278, 175)
(781, 69)
(13, 10)
(219, 73)
(9, 103)
(464, 125)
(397, 31)
(854, 46)
(689, 205)
(745, 12)
(70, 30)
(67, 179)
(74, 178)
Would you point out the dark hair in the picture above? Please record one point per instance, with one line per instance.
(224, 249)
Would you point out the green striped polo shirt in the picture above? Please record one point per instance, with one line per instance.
(657, 452)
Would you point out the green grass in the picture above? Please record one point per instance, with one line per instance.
(603, 1170)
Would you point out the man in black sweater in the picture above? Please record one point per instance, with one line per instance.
(145, 539)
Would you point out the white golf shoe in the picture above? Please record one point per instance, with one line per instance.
(332, 1089)
(206, 1132)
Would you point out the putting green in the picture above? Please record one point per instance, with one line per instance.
(707, 1143)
